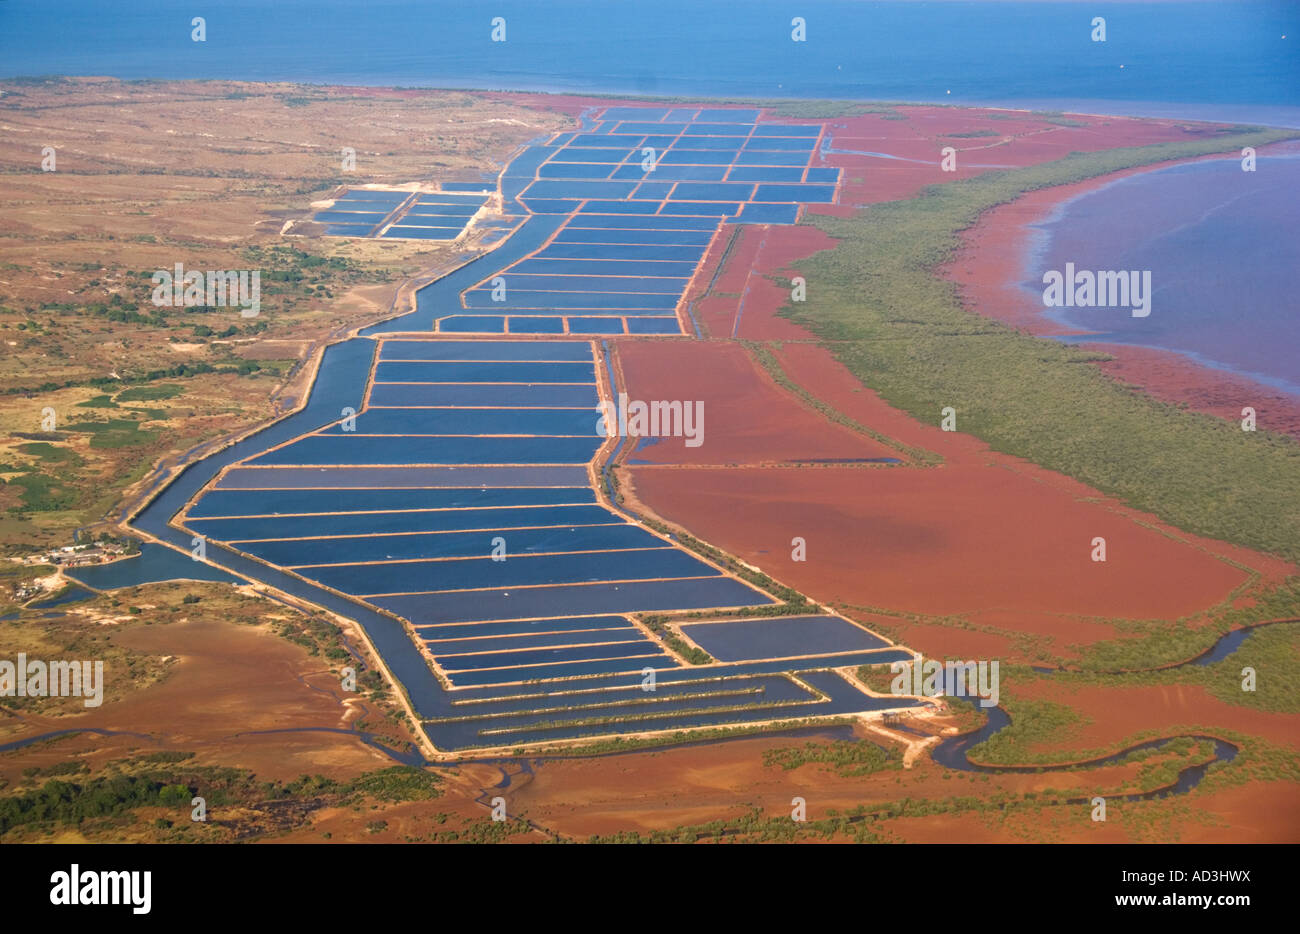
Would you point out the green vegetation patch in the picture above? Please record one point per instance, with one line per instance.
(115, 433)
(692, 654)
(42, 493)
(1164, 643)
(64, 802)
(150, 393)
(1033, 723)
(50, 454)
(98, 402)
(167, 779)
(399, 783)
(1273, 653)
(844, 757)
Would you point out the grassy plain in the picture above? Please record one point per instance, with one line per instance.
(148, 174)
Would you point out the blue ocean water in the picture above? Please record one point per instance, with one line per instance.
(1202, 56)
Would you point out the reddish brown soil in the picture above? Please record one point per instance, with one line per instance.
(667, 789)
(986, 535)
(661, 790)
(742, 300)
(1258, 813)
(748, 419)
(1261, 812)
(763, 298)
(1173, 378)
(1120, 712)
(957, 643)
(734, 276)
(230, 683)
(941, 541)
(1082, 630)
(816, 370)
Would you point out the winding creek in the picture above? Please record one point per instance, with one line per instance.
(952, 753)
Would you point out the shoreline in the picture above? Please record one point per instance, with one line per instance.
(1268, 115)
(989, 270)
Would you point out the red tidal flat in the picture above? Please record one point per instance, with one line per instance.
(1116, 713)
(748, 419)
(986, 534)
(940, 541)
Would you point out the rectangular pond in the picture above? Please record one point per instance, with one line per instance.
(534, 422)
(780, 637)
(484, 396)
(485, 350)
(221, 502)
(521, 570)
(480, 371)
(357, 549)
(315, 526)
(522, 627)
(638, 596)
(394, 450)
